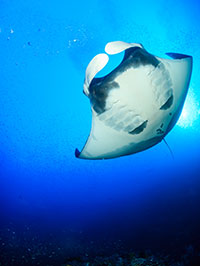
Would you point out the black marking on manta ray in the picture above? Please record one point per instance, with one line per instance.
(168, 103)
(159, 131)
(177, 56)
(77, 153)
(135, 57)
(173, 120)
(99, 87)
(99, 93)
(139, 129)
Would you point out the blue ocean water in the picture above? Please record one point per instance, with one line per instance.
(53, 206)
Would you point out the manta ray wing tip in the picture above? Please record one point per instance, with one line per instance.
(77, 153)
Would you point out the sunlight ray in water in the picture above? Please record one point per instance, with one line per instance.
(190, 112)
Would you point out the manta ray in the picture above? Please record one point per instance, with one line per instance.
(137, 104)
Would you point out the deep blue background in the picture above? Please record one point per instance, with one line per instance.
(147, 200)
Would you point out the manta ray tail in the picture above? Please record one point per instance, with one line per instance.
(170, 150)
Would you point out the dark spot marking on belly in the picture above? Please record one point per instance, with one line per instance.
(159, 131)
(168, 103)
(99, 91)
(174, 119)
(139, 129)
(161, 125)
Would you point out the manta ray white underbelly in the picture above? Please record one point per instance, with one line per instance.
(137, 104)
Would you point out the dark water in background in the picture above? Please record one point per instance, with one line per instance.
(53, 205)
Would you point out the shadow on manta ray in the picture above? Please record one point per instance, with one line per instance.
(136, 105)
